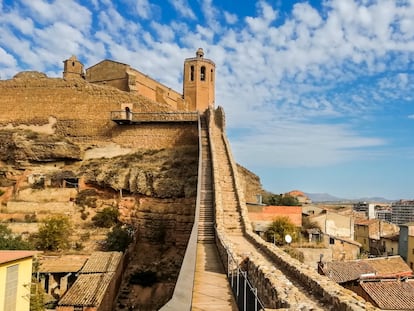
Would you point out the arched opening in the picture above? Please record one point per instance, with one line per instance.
(203, 74)
(211, 75)
(192, 73)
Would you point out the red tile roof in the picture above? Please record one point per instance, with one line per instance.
(7, 256)
(391, 295)
(345, 271)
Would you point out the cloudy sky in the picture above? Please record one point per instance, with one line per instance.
(318, 95)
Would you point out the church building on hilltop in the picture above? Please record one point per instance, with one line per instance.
(198, 81)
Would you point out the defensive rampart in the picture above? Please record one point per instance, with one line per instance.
(274, 289)
(82, 111)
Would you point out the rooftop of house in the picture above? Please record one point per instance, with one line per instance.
(391, 294)
(101, 262)
(366, 222)
(345, 271)
(62, 264)
(88, 290)
(8, 256)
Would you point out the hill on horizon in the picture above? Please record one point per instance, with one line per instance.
(326, 197)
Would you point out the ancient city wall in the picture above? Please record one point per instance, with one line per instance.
(81, 111)
(274, 291)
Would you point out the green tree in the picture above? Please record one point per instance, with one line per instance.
(106, 218)
(37, 296)
(279, 228)
(280, 200)
(10, 241)
(118, 238)
(54, 234)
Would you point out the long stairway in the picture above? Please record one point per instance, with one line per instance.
(211, 288)
(206, 218)
(232, 224)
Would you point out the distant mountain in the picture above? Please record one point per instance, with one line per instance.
(325, 197)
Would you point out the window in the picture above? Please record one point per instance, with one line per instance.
(192, 73)
(211, 75)
(203, 74)
(10, 294)
(331, 241)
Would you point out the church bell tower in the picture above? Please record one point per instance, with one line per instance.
(199, 82)
(73, 69)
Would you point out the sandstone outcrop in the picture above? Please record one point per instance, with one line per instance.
(25, 145)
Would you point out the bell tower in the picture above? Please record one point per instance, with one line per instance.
(73, 69)
(199, 82)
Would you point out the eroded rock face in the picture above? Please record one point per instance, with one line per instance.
(25, 145)
(167, 173)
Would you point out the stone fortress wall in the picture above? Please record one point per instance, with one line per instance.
(81, 111)
(274, 289)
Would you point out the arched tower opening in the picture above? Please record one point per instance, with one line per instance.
(199, 82)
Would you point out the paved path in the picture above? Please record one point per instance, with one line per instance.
(211, 287)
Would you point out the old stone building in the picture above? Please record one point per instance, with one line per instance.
(198, 83)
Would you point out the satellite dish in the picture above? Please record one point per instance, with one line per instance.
(288, 238)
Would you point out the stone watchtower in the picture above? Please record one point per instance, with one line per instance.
(73, 69)
(199, 82)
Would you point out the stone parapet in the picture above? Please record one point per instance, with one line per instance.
(275, 290)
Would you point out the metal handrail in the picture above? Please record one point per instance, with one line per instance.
(231, 271)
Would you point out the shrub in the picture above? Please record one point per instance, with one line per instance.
(8, 241)
(278, 229)
(106, 218)
(118, 238)
(53, 234)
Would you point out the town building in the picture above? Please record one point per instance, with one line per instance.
(334, 224)
(15, 279)
(261, 216)
(406, 243)
(383, 214)
(369, 232)
(96, 285)
(388, 294)
(368, 209)
(386, 282)
(402, 212)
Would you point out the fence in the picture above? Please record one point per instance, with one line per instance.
(244, 293)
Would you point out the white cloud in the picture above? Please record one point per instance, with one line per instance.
(7, 59)
(60, 10)
(143, 9)
(183, 8)
(411, 116)
(230, 18)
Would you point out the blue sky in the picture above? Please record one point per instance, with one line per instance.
(319, 95)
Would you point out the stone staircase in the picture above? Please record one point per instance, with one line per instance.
(231, 214)
(206, 232)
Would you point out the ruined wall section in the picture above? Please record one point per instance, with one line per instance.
(81, 111)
